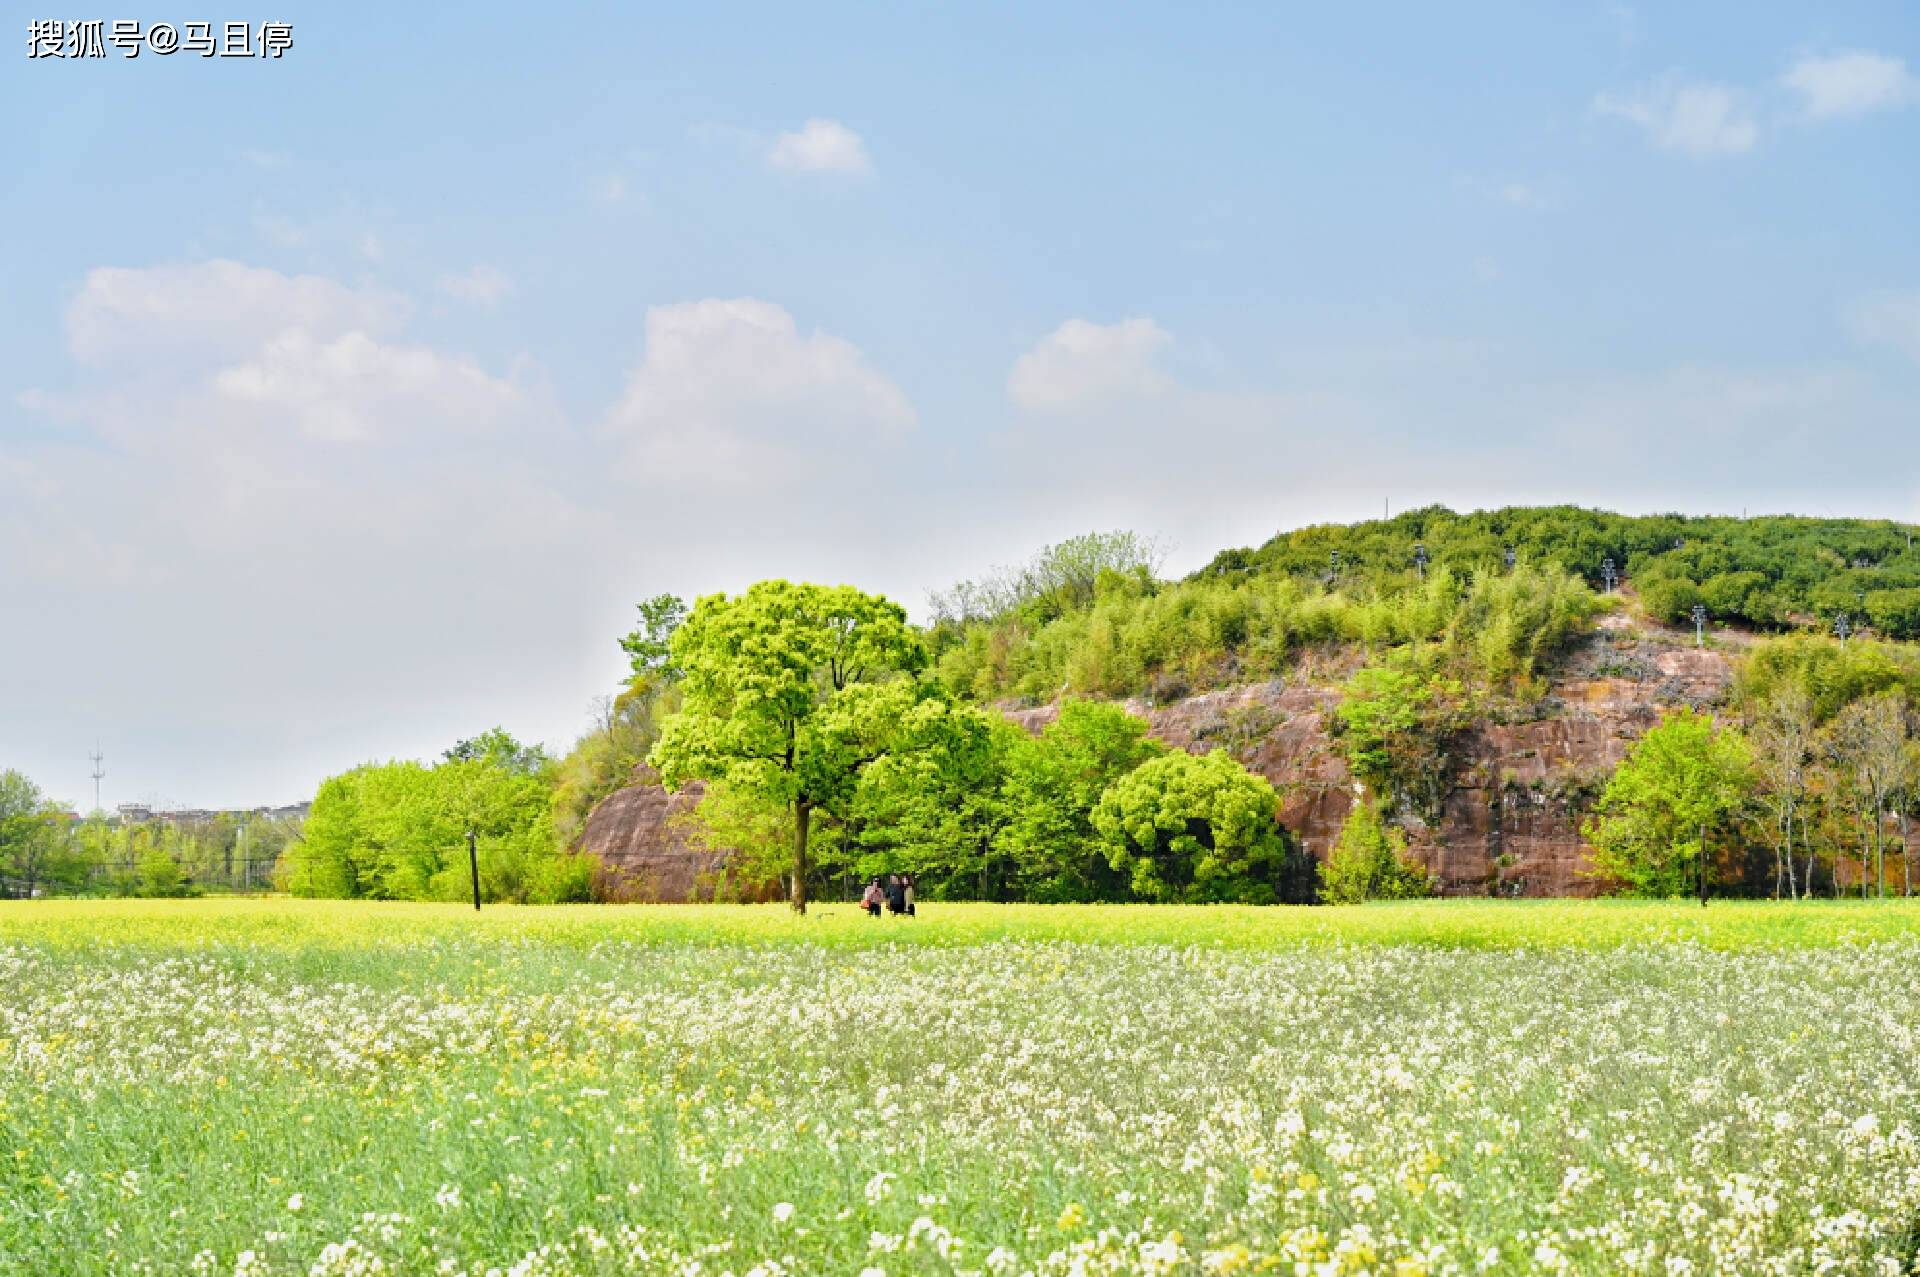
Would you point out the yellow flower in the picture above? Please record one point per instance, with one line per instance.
(1073, 1216)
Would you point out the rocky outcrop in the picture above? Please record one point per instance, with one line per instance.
(1509, 822)
(644, 843)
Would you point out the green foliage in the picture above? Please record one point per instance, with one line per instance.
(1394, 723)
(36, 849)
(1772, 572)
(604, 759)
(1167, 639)
(941, 812)
(1182, 827)
(1053, 784)
(790, 692)
(1059, 579)
(1654, 822)
(1833, 674)
(1369, 862)
(650, 647)
(397, 831)
(497, 747)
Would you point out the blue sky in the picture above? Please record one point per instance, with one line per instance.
(349, 400)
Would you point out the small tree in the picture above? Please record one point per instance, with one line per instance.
(1783, 735)
(650, 647)
(35, 850)
(1652, 824)
(1370, 862)
(1393, 723)
(785, 695)
(1183, 827)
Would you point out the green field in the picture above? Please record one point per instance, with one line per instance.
(240, 1087)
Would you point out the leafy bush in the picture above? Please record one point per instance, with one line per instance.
(1183, 827)
(1369, 862)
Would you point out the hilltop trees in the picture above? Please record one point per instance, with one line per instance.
(790, 692)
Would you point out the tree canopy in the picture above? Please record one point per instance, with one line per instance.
(789, 693)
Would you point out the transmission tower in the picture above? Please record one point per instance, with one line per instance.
(98, 773)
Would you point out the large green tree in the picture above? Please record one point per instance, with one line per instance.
(1653, 825)
(1053, 784)
(1195, 828)
(789, 693)
(940, 811)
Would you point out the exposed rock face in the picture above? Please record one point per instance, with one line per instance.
(640, 835)
(1509, 823)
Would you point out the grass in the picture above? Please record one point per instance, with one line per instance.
(254, 1087)
(354, 927)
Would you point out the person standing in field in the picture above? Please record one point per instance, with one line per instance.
(906, 892)
(896, 894)
(872, 898)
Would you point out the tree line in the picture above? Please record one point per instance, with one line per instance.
(47, 850)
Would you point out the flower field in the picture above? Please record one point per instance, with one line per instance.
(256, 1087)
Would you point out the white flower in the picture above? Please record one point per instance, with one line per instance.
(782, 1212)
(297, 1203)
(448, 1198)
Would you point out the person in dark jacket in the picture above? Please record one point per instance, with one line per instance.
(896, 894)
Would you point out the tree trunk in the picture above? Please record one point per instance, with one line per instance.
(1792, 886)
(1906, 854)
(1703, 866)
(802, 818)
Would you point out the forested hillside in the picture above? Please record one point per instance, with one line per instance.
(1490, 594)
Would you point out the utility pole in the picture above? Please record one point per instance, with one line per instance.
(1699, 625)
(1420, 558)
(1842, 626)
(98, 773)
(1609, 573)
(473, 860)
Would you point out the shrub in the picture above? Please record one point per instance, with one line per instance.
(1369, 862)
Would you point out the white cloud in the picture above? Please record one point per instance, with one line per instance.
(1695, 119)
(1889, 319)
(213, 311)
(482, 286)
(821, 146)
(731, 391)
(354, 388)
(1082, 363)
(1844, 85)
